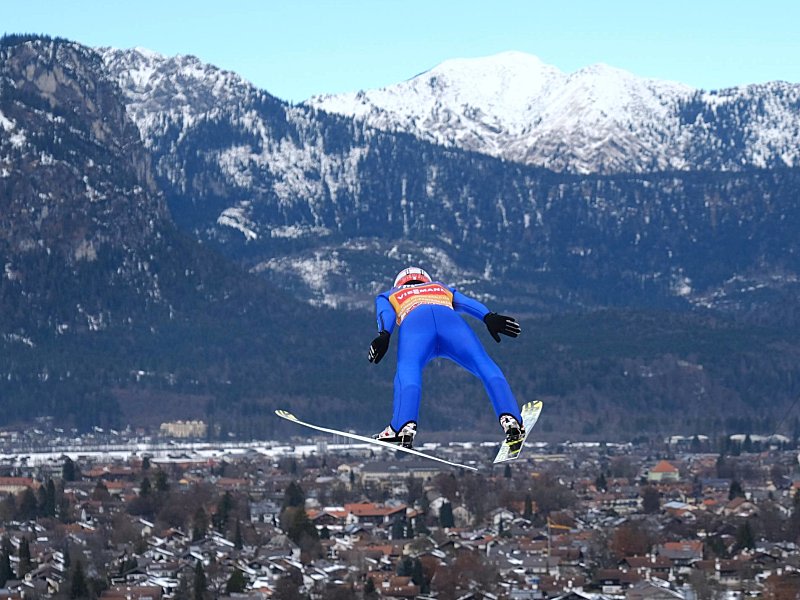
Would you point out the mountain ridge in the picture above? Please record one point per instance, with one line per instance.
(598, 119)
(104, 301)
(326, 210)
(296, 193)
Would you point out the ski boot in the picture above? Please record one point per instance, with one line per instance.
(404, 437)
(515, 432)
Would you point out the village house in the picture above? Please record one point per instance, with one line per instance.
(372, 513)
(387, 474)
(663, 472)
(359, 538)
(15, 485)
(681, 554)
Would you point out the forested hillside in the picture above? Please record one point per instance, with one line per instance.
(650, 304)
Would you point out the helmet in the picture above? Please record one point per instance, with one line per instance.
(411, 275)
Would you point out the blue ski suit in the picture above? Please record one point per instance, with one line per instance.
(429, 327)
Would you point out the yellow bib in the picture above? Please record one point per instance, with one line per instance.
(408, 298)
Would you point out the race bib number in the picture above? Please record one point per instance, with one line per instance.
(410, 297)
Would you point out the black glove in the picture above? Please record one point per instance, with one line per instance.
(501, 324)
(378, 347)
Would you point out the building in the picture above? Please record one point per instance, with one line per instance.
(184, 429)
(663, 472)
(14, 485)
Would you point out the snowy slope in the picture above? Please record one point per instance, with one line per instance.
(598, 119)
(326, 205)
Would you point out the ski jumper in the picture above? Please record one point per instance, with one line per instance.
(426, 315)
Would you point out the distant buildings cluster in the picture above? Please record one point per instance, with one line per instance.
(184, 429)
(322, 522)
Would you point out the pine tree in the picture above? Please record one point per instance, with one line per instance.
(528, 511)
(24, 554)
(224, 508)
(294, 496)
(651, 500)
(199, 524)
(27, 506)
(735, 491)
(446, 515)
(236, 583)
(398, 529)
(745, 537)
(49, 508)
(78, 587)
(6, 572)
(418, 575)
(369, 588)
(405, 567)
(68, 470)
(238, 541)
(200, 587)
(162, 481)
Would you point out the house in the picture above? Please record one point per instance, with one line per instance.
(15, 485)
(462, 517)
(377, 514)
(385, 474)
(391, 585)
(579, 595)
(615, 581)
(652, 590)
(739, 507)
(679, 510)
(663, 472)
(729, 573)
(142, 592)
(647, 565)
(502, 517)
(681, 554)
(329, 516)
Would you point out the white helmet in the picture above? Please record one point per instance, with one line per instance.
(411, 274)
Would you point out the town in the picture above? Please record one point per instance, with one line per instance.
(132, 515)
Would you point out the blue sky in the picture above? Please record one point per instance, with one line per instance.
(297, 48)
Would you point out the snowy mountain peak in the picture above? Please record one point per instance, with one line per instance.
(514, 68)
(180, 87)
(501, 85)
(511, 104)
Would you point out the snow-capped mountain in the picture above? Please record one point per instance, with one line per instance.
(105, 300)
(330, 207)
(597, 119)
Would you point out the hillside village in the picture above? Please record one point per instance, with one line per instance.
(678, 519)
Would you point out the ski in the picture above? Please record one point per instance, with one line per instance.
(285, 414)
(530, 414)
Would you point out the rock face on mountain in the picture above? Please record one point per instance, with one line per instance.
(77, 192)
(81, 178)
(330, 207)
(596, 120)
(99, 289)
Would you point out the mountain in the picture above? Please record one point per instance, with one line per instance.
(330, 207)
(109, 314)
(177, 243)
(599, 119)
